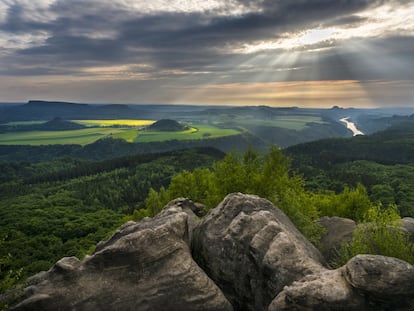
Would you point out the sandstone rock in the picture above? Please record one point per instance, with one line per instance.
(408, 225)
(380, 275)
(143, 266)
(385, 281)
(366, 282)
(252, 250)
(256, 257)
(338, 231)
(327, 290)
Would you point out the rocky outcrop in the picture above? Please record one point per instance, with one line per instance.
(338, 230)
(245, 255)
(143, 266)
(252, 250)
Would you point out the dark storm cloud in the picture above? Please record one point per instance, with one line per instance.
(17, 23)
(95, 32)
(77, 48)
(346, 21)
(270, 20)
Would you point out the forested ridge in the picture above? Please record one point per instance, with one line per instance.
(59, 205)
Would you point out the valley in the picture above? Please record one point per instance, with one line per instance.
(128, 130)
(40, 123)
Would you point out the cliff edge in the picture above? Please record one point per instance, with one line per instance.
(244, 255)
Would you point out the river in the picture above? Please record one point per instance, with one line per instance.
(351, 125)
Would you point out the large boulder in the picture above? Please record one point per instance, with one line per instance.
(338, 230)
(327, 290)
(383, 280)
(143, 266)
(252, 250)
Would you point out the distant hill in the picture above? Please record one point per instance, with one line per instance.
(58, 124)
(47, 110)
(114, 106)
(51, 104)
(167, 125)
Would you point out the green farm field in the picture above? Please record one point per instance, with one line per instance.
(81, 137)
(132, 132)
(195, 132)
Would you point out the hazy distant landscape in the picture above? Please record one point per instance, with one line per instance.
(30, 123)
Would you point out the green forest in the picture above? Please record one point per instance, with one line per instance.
(62, 203)
(64, 207)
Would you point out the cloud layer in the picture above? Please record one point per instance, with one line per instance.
(172, 45)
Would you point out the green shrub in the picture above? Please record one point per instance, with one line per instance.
(351, 203)
(380, 234)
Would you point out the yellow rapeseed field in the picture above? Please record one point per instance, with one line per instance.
(119, 122)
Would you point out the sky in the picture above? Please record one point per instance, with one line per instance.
(306, 53)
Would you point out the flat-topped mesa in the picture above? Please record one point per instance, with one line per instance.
(49, 104)
(245, 255)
